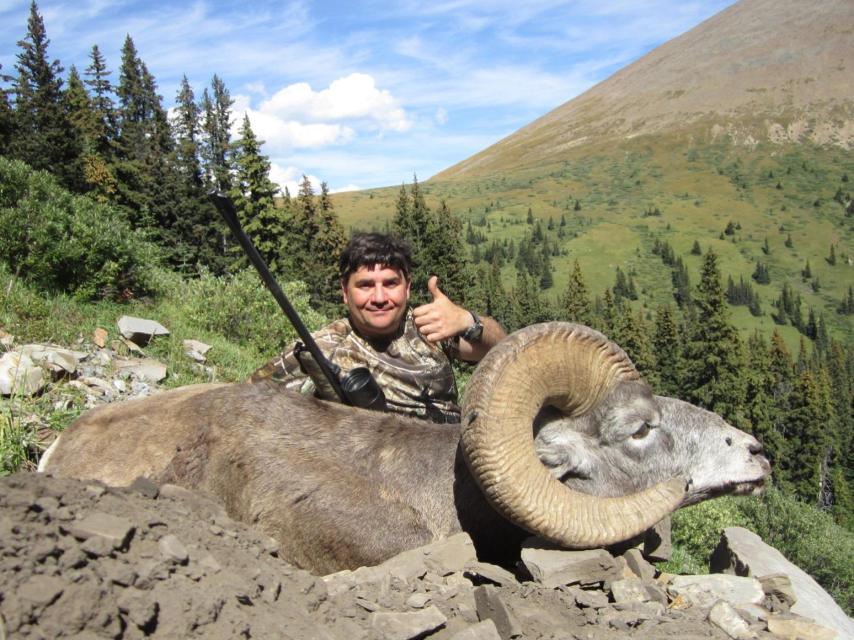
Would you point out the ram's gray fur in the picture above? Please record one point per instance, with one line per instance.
(342, 487)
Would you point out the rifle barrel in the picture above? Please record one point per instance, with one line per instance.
(226, 209)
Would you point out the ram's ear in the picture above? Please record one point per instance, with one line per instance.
(565, 453)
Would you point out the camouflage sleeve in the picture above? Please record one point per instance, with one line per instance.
(285, 368)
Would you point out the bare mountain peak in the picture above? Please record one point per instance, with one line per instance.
(778, 70)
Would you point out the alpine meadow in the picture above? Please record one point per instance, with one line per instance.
(695, 207)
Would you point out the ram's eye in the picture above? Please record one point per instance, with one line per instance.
(643, 432)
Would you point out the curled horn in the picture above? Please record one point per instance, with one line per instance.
(571, 367)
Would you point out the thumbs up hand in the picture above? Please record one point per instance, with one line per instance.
(440, 319)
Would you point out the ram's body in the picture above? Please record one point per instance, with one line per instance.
(341, 487)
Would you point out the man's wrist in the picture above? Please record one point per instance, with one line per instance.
(474, 333)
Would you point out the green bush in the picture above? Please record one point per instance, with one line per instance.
(240, 308)
(62, 243)
(804, 534)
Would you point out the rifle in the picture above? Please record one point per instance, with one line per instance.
(358, 388)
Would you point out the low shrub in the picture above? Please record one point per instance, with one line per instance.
(62, 243)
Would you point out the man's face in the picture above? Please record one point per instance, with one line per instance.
(376, 297)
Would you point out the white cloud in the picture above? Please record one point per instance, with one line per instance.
(346, 187)
(441, 115)
(297, 117)
(353, 97)
(291, 177)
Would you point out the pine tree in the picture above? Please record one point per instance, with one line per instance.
(7, 116)
(714, 361)
(759, 390)
(681, 283)
(329, 244)
(808, 415)
(186, 127)
(216, 124)
(83, 130)
(411, 222)
(575, 302)
(254, 194)
(102, 92)
(667, 347)
(43, 134)
(444, 253)
(635, 341)
(527, 307)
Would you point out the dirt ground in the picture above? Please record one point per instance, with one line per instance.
(81, 560)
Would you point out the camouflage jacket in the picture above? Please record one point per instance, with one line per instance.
(415, 376)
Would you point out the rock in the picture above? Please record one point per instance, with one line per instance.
(587, 599)
(450, 555)
(173, 549)
(140, 330)
(104, 525)
(705, 591)
(56, 359)
(553, 567)
(490, 606)
(778, 589)
(144, 369)
(417, 600)
(638, 564)
(657, 545)
(742, 552)
(629, 590)
(489, 572)
(794, 627)
(99, 337)
(726, 618)
(406, 626)
(196, 350)
(19, 375)
(485, 630)
(40, 591)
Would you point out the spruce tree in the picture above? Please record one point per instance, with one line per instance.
(102, 92)
(575, 303)
(714, 362)
(666, 345)
(254, 194)
(444, 253)
(329, 243)
(43, 137)
(216, 124)
(759, 391)
(635, 341)
(7, 121)
(83, 129)
(809, 414)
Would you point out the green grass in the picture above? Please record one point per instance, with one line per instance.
(235, 315)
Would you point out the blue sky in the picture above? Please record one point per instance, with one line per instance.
(364, 94)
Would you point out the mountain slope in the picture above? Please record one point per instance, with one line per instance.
(777, 70)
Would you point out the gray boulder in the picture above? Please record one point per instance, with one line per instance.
(139, 330)
(742, 552)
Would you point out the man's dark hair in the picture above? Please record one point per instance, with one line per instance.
(369, 249)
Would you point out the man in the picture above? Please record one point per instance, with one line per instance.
(408, 351)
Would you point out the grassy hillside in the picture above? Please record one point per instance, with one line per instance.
(772, 192)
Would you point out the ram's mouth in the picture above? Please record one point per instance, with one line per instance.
(742, 488)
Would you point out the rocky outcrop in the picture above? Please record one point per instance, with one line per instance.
(81, 559)
(743, 553)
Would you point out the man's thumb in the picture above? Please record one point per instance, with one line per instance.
(433, 287)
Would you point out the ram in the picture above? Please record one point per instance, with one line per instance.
(559, 437)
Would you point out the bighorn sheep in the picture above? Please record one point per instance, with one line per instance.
(341, 487)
